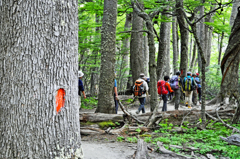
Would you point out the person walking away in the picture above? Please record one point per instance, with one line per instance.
(163, 88)
(80, 88)
(194, 96)
(199, 88)
(140, 90)
(115, 95)
(188, 83)
(176, 84)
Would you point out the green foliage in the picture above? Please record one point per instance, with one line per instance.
(89, 103)
(106, 124)
(132, 139)
(206, 140)
(120, 138)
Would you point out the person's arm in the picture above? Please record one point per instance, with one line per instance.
(169, 88)
(84, 94)
(115, 89)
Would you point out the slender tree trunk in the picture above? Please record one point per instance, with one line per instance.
(203, 74)
(163, 63)
(146, 54)
(108, 41)
(190, 50)
(126, 48)
(175, 44)
(136, 47)
(193, 56)
(152, 62)
(94, 70)
(39, 110)
(184, 38)
(201, 36)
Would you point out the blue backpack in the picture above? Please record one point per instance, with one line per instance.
(174, 83)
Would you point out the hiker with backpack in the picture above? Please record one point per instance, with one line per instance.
(176, 85)
(188, 85)
(194, 96)
(163, 88)
(199, 88)
(140, 90)
(80, 87)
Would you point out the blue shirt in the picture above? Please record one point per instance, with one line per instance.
(80, 87)
(115, 83)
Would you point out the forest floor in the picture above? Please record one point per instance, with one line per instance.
(107, 147)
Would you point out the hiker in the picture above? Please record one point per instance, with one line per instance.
(188, 85)
(115, 94)
(80, 88)
(199, 89)
(163, 88)
(176, 85)
(140, 90)
(194, 96)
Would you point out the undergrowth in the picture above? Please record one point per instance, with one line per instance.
(89, 103)
(208, 140)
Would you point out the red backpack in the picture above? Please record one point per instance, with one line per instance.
(161, 87)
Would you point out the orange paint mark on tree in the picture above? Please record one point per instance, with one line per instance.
(60, 99)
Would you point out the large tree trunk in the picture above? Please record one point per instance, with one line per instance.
(163, 59)
(230, 65)
(235, 5)
(175, 44)
(152, 62)
(39, 108)
(184, 38)
(136, 47)
(105, 102)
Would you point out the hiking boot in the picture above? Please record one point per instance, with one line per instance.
(186, 104)
(200, 102)
(189, 107)
(137, 112)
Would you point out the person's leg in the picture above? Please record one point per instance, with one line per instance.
(195, 97)
(165, 98)
(177, 98)
(190, 98)
(143, 103)
(187, 98)
(200, 94)
(116, 103)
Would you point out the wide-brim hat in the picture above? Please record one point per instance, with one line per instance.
(80, 74)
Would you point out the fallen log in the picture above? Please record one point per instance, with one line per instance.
(100, 117)
(142, 151)
(174, 117)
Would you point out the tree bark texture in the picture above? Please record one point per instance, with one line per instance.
(136, 47)
(163, 59)
(108, 41)
(38, 60)
(152, 62)
(175, 44)
(230, 63)
(235, 5)
(184, 38)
